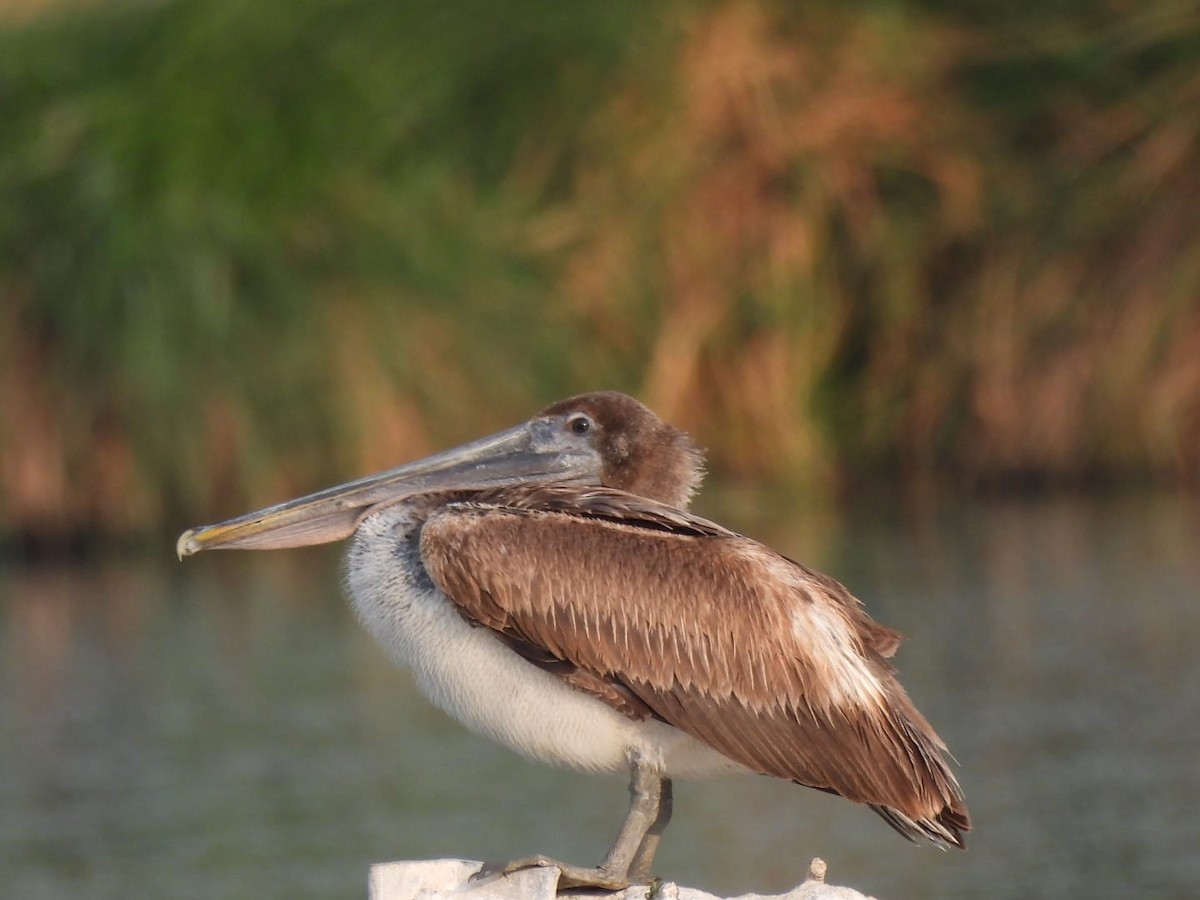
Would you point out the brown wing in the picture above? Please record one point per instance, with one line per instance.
(658, 612)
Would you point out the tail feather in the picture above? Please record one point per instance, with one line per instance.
(944, 830)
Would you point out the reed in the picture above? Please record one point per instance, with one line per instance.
(246, 249)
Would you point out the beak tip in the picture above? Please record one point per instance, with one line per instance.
(187, 544)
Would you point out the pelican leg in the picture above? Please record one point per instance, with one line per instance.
(629, 859)
(645, 806)
(639, 871)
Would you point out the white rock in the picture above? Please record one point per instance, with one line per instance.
(449, 879)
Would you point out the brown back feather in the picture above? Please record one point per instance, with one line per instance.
(658, 612)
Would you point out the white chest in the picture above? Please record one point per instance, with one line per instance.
(473, 676)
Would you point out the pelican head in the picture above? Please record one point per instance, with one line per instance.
(600, 439)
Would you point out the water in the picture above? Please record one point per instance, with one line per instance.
(221, 728)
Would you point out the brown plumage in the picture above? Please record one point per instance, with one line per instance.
(774, 665)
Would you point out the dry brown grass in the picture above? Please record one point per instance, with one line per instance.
(834, 243)
(734, 218)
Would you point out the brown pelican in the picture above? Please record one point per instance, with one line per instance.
(547, 587)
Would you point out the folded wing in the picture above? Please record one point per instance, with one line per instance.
(660, 613)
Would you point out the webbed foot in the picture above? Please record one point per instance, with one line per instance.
(570, 877)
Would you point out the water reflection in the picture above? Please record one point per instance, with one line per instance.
(222, 728)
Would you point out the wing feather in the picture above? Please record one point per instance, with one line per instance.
(661, 613)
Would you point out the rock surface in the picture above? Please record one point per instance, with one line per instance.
(444, 879)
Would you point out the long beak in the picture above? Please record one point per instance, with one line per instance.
(508, 457)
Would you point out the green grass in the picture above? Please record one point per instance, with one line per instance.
(249, 248)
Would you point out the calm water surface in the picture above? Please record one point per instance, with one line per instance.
(221, 728)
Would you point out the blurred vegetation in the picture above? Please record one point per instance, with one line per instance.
(249, 248)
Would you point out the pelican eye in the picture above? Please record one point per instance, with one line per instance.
(579, 424)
